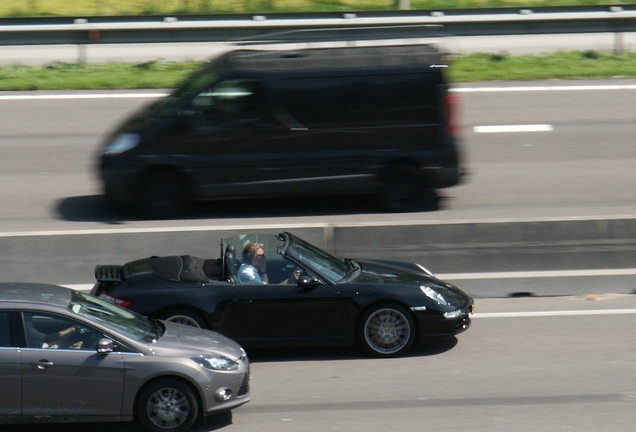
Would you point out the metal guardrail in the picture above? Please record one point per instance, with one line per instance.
(318, 26)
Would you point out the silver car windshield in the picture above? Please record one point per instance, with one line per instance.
(114, 317)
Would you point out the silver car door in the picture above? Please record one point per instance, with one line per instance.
(66, 379)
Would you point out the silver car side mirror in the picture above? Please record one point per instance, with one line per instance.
(105, 346)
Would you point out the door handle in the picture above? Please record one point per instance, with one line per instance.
(43, 364)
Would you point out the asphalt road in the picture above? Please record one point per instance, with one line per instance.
(526, 365)
(535, 152)
(582, 166)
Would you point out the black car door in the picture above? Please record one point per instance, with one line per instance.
(283, 313)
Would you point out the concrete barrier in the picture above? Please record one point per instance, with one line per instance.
(487, 259)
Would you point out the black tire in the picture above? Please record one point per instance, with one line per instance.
(184, 316)
(167, 405)
(402, 188)
(164, 195)
(387, 331)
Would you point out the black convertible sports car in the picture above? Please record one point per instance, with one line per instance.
(311, 299)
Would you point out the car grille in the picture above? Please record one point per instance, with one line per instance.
(245, 385)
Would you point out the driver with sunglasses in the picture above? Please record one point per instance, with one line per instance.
(254, 269)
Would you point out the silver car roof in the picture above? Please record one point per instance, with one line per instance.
(35, 293)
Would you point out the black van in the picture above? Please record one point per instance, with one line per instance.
(265, 123)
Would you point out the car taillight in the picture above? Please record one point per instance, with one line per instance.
(452, 104)
(114, 300)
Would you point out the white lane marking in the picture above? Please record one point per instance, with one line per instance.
(176, 229)
(553, 313)
(83, 96)
(538, 274)
(87, 288)
(543, 88)
(500, 275)
(78, 287)
(513, 128)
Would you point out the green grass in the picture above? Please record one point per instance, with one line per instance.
(31, 8)
(78, 76)
(562, 65)
(467, 68)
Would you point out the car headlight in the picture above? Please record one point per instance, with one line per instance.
(219, 363)
(452, 314)
(432, 294)
(121, 143)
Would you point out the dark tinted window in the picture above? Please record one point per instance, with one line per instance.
(5, 335)
(360, 101)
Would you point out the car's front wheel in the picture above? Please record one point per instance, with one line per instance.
(168, 405)
(387, 331)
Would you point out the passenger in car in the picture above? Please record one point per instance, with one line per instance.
(254, 268)
(58, 339)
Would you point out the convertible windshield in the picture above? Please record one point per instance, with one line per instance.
(125, 322)
(319, 261)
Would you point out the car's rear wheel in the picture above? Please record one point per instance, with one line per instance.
(387, 331)
(163, 195)
(186, 317)
(167, 405)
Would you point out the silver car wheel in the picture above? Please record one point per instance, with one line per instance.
(388, 331)
(167, 406)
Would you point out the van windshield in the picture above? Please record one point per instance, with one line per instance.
(199, 82)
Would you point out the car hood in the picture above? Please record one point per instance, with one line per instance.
(392, 272)
(178, 339)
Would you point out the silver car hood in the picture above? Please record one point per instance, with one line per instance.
(179, 338)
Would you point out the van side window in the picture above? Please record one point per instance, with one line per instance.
(234, 96)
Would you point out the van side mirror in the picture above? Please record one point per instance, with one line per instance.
(105, 346)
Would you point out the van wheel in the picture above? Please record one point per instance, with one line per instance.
(163, 195)
(402, 188)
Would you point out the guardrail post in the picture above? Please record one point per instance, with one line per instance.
(403, 4)
(618, 43)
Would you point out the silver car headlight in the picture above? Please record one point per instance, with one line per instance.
(122, 143)
(218, 363)
(433, 295)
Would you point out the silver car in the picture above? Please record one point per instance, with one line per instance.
(68, 356)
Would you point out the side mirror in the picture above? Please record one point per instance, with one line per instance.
(105, 346)
(307, 282)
